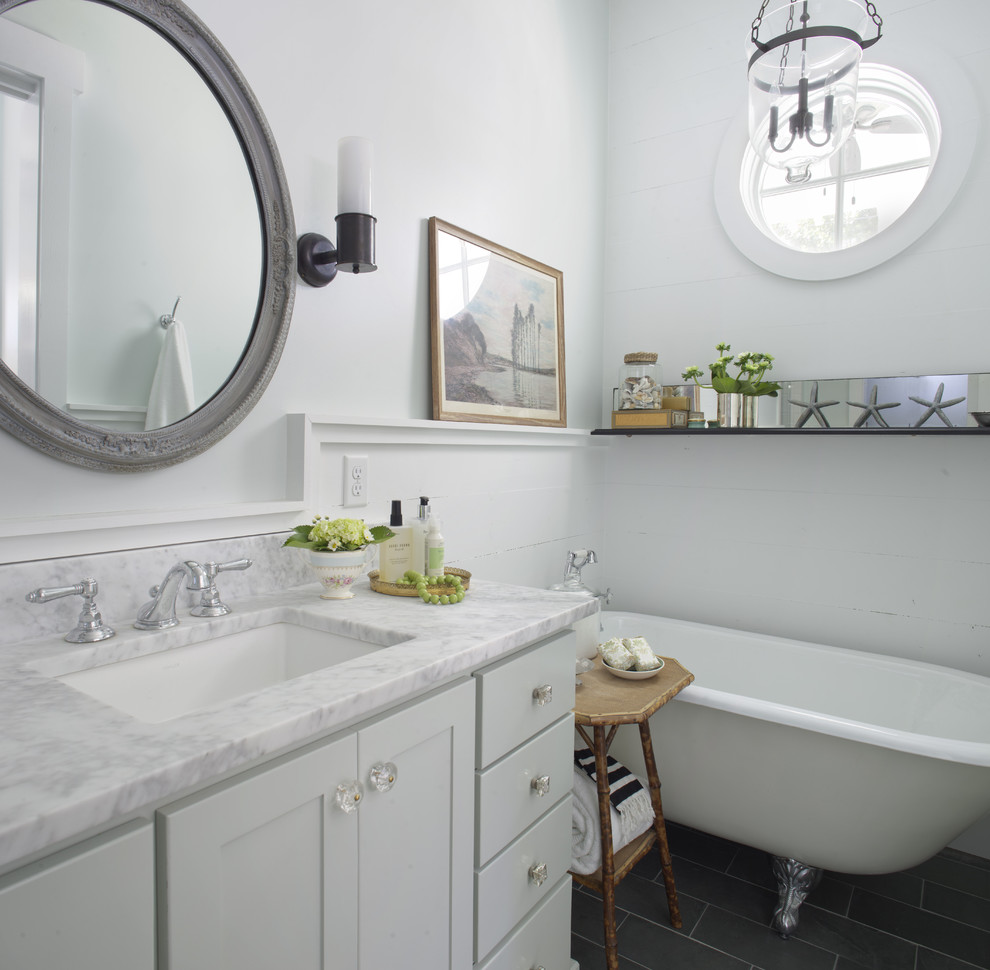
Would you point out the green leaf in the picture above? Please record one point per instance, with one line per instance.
(379, 533)
(299, 542)
(726, 385)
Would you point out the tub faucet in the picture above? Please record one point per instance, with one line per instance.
(159, 612)
(577, 559)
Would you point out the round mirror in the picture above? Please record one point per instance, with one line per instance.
(157, 181)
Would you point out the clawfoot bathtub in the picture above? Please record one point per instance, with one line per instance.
(826, 758)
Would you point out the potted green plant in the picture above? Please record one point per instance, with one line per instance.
(737, 393)
(339, 550)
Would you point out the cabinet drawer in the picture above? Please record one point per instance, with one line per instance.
(508, 795)
(542, 939)
(510, 692)
(505, 890)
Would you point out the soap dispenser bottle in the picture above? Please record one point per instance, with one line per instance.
(421, 527)
(434, 548)
(395, 555)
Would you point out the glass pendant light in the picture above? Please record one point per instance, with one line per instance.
(803, 76)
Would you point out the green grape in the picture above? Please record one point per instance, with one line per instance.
(444, 599)
(434, 599)
(424, 595)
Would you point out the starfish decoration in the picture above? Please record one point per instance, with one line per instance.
(872, 410)
(935, 406)
(813, 407)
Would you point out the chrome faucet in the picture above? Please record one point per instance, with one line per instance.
(90, 627)
(159, 613)
(577, 559)
(210, 603)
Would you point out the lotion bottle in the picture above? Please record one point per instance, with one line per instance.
(396, 554)
(421, 527)
(434, 548)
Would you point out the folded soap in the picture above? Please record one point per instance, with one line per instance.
(615, 653)
(643, 656)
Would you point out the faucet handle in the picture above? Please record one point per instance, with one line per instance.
(210, 603)
(89, 627)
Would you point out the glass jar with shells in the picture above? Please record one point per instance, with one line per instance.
(639, 382)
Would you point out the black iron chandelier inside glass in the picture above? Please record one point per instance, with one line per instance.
(803, 77)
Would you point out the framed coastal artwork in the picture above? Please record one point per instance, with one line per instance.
(497, 332)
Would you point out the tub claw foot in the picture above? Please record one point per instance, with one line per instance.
(794, 880)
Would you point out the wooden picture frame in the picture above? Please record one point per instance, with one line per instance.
(496, 331)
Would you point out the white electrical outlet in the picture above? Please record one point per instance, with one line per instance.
(355, 480)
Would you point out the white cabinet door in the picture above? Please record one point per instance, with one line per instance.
(89, 907)
(244, 867)
(417, 838)
(268, 871)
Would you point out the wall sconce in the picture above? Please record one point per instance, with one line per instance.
(802, 82)
(317, 259)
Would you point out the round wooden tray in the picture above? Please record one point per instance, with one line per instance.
(394, 589)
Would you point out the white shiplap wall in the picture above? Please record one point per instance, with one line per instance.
(879, 544)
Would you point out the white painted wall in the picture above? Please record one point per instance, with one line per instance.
(489, 116)
(874, 544)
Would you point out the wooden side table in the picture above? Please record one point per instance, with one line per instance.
(605, 700)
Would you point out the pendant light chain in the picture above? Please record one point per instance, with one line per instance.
(786, 49)
(871, 9)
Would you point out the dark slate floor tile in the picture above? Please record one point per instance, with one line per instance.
(754, 866)
(862, 946)
(973, 910)
(590, 956)
(758, 945)
(953, 874)
(927, 929)
(832, 895)
(660, 948)
(708, 850)
(648, 899)
(587, 917)
(929, 960)
(725, 891)
(902, 886)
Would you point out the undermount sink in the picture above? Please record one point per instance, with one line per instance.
(161, 686)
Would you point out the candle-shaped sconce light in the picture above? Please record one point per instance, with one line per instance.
(318, 259)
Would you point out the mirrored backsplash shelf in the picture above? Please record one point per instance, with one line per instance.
(932, 404)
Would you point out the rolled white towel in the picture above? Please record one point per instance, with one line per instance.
(586, 831)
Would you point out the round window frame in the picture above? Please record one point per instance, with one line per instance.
(952, 93)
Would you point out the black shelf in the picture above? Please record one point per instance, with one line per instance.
(715, 432)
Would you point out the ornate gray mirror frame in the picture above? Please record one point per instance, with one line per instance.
(32, 419)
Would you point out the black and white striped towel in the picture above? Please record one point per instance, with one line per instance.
(622, 783)
(630, 811)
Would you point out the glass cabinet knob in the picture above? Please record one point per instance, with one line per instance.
(543, 694)
(348, 796)
(541, 785)
(538, 873)
(383, 775)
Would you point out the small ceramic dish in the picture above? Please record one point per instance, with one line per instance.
(982, 418)
(634, 674)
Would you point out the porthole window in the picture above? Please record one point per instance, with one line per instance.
(917, 120)
(864, 187)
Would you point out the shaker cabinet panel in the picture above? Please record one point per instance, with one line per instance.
(269, 870)
(244, 866)
(88, 907)
(416, 836)
(516, 790)
(536, 941)
(524, 694)
(521, 875)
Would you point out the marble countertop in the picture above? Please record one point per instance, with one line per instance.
(69, 763)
